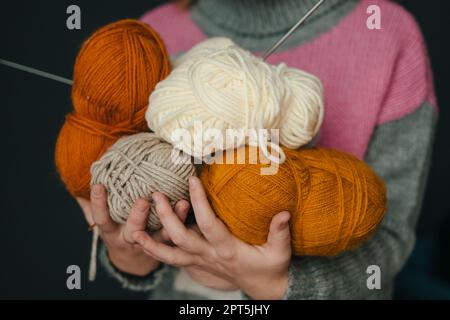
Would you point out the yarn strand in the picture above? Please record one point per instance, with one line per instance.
(93, 257)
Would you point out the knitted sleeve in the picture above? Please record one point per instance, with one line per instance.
(411, 80)
(399, 152)
(130, 282)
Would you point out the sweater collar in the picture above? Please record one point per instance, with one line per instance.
(256, 24)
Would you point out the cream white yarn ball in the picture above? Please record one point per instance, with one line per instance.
(223, 86)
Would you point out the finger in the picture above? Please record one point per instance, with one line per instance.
(170, 255)
(181, 210)
(85, 206)
(137, 221)
(279, 234)
(177, 231)
(211, 227)
(162, 235)
(99, 208)
(196, 229)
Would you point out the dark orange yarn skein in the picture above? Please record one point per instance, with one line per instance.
(115, 71)
(335, 200)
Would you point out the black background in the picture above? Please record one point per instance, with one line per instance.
(42, 231)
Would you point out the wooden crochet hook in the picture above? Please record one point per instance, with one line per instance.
(289, 33)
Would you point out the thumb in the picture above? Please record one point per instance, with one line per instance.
(279, 234)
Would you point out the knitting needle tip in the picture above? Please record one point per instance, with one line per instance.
(272, 49)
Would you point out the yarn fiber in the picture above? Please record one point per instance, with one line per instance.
(225, 87)
(114, 73)
(335, 200)
(135, 167)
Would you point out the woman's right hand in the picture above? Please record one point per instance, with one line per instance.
(125, 253)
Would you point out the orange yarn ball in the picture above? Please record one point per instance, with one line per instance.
(115, 71)
(335, 200)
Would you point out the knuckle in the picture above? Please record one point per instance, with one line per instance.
(226, 253)
(127, 239)
(174, 260)
(206, 225)
(199, 261)
(101, 222)
(161, 212)
(210, 258)
(180, 238)
(133, 222)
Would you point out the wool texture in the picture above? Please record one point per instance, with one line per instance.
(335, 200)
(114, 73)
(351, 61)
(354, 64)
(222, 86)
(135, 167)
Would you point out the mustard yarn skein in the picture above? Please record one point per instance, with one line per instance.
(335, 200)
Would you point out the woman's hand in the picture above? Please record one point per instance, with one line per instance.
(206, 278)
(259, 271)
(123, 251)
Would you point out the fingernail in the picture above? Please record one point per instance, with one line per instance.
(142, 206)
(192, 182)
(155, 198)
(284, 223)
(96, 190)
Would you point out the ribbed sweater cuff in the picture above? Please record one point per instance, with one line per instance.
(134, 283)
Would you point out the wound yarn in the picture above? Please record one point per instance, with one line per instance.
(223, 87)
(114, 73)
(135, 167)
(335, 200)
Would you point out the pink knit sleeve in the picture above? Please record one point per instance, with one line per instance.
(411, 81)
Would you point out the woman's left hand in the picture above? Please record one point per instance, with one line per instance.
(261, 271)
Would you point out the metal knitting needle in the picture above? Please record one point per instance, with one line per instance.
(35, 71)
(288, 34)
(69, 82)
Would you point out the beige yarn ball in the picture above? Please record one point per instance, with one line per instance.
(137, 166)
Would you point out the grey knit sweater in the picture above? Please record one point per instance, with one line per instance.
(399, 152)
